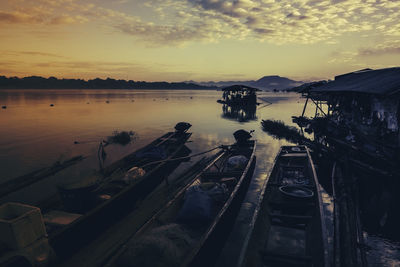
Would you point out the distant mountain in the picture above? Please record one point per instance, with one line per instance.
(276, 82)
(35, 82)
(266, 83)
(223, 83)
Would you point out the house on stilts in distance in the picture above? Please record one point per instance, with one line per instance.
(360, 108)
(239, 95)
(239, 103)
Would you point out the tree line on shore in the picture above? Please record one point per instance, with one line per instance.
(36, 82)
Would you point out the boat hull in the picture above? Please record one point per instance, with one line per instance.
(207, 237)
(64, 241)
(289, 229)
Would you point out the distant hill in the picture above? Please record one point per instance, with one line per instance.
(35, 82)
(266, 83)
(275, 82)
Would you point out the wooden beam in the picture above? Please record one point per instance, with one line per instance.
(317, 107)
(305, 105)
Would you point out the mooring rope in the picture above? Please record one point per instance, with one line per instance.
(186, 157)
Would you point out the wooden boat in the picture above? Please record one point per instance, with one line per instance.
(202, 235)
(87, 211)
(289, 228)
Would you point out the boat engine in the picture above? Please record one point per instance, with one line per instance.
(241, 136)
(182, 127)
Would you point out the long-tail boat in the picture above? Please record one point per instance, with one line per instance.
(191, 227)
(289, 226)
(86, 209)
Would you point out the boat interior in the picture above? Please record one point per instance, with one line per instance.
(76, 200)
(218, 175)
(288, 228)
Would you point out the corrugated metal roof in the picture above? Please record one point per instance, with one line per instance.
(382, 82)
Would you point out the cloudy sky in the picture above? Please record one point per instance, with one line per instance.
(202, 40)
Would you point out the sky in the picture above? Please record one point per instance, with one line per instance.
(200, 40)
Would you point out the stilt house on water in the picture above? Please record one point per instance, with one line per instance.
(361, 107)
(239, 95)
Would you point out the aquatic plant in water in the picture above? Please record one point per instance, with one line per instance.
(122, 138)
(280, 130)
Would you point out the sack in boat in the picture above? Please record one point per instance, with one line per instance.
(216, 191)
(237, 163)
(133, 174)
(162, 247)
(197, 206)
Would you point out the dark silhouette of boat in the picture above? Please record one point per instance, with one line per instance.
(83, 211)
(108, 201)
(206, 231)
(288, 226)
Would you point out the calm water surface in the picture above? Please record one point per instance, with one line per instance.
(34, 135)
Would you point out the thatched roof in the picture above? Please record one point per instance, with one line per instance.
(239, 87)
(378, 82)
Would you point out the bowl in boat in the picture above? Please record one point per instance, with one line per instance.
(296, 191)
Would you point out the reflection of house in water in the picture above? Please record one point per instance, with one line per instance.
(239, 113)
(361, 107)
(239, 95)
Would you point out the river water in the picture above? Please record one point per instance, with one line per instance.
(40, 127)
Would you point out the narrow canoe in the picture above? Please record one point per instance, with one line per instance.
(289, 228)
(113, 198)
(201, 237)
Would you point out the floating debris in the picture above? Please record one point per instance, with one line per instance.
(51, 105)
(87, 103)
(4, 107)
(122, 138)
(107, 101)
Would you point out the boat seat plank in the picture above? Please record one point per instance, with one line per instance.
(216, 175)
(290, 216)
(294, 155)
(291, 166)
(299, 226)
(291, 204)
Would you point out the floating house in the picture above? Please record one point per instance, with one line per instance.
(364, 104)
(239, 95)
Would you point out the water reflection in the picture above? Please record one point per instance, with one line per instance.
(36, 135)
(239, 113)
